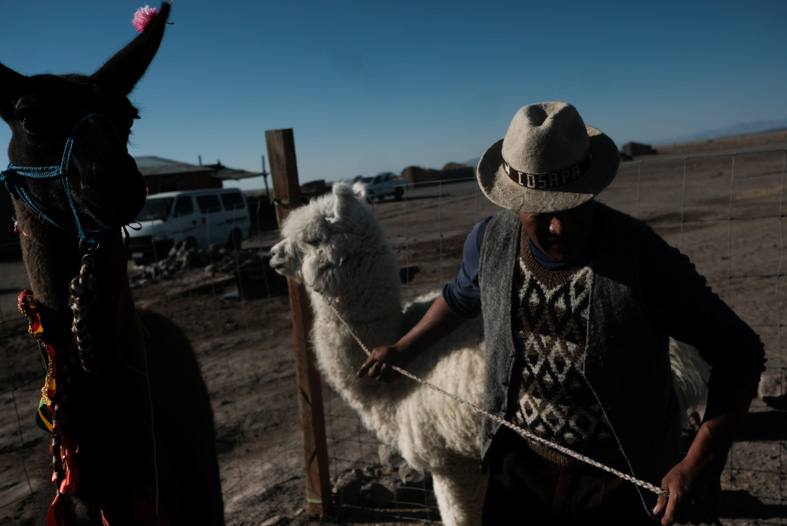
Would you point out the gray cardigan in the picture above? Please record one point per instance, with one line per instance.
(626, 353)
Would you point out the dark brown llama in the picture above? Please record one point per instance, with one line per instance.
(131, 422)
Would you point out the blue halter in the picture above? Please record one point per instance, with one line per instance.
(14, 183)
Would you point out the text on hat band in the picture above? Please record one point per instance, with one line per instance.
(549, 180)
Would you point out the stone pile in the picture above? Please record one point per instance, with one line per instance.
(212, 260)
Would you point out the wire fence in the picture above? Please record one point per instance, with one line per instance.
(725, 211)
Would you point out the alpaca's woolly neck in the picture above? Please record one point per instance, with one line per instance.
(372, 313)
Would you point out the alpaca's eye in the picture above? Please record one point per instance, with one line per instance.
(33, 122)
(34, 116)
(312, 242)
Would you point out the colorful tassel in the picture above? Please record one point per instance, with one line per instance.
(143, 17)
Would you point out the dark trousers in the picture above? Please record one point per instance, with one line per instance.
(526, 488)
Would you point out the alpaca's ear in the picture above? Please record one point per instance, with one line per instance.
(11, 86)
(359, 190)
(344, 201)
(124, 70)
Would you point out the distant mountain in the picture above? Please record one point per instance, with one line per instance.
(742, 128)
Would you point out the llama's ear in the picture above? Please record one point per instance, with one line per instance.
(127, 66)
(11, 86)
(344, 201)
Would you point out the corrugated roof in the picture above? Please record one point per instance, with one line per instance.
(152, 165)
(225, 172)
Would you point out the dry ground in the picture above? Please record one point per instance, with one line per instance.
(245, 345)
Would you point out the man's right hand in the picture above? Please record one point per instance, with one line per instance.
(436, 323)
(379, 364)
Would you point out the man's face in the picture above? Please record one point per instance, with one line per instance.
(562, 236)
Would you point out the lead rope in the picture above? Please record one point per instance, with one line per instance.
(524, 433)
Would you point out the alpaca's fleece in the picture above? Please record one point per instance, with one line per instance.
(690, 375)
(338, 250)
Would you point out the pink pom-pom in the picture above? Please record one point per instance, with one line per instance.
(143, 17)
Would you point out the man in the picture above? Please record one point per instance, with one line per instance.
(578, 303)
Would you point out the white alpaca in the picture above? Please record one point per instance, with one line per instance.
(690, 375)
(338, 250)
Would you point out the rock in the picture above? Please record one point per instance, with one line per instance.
(634, 149)
(393, 462)
(773, 389)
(410, 475)
(390, 459)
(381, 493)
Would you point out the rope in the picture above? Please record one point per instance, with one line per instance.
(80, 301)
(522, 432)
(13, 178)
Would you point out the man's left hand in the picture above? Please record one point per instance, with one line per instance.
(694, 495)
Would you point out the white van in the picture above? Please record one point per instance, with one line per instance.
(198, 217)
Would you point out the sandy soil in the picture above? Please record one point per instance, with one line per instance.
(245, 345)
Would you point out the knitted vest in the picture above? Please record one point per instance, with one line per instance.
(550, 329)
(625, 363)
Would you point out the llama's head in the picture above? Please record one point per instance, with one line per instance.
(68, 149)
(333, 243)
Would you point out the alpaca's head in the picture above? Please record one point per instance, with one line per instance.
(334, 243)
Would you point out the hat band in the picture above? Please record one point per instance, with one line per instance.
(552, 179)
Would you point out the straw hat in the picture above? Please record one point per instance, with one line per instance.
(548, 161)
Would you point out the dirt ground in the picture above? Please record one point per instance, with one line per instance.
(244, 343)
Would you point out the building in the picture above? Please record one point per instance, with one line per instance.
(165, 175)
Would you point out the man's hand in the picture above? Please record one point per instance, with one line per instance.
(379, 364)
(694, 494)
(694, 484)
(435, 324)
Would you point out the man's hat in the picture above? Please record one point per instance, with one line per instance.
(548, 161)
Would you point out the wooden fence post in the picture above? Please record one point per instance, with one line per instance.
(286, 191)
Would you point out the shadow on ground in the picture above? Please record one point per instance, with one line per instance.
(740, 504)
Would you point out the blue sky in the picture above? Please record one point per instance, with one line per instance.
(378, 86)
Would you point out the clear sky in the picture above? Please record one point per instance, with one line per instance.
(377, 86)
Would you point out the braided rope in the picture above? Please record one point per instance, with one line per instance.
(82, 290)
(520, 431)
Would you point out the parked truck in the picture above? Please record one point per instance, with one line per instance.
(383, 185)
